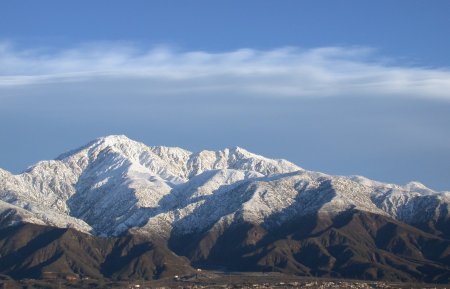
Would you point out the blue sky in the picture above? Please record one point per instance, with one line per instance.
(344, 87)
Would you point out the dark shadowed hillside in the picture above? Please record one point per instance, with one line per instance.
(28, 251)
(351, 245)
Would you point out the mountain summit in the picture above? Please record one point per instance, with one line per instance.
(202, 203)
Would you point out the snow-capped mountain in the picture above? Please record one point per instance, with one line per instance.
(115, 184)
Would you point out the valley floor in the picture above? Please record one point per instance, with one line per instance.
(214, 279)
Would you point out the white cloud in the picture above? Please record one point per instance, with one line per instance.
(291, 72)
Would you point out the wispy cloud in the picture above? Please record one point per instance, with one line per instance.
(292, 72)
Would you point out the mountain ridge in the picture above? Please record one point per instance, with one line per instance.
(228, 208)
(153, 186)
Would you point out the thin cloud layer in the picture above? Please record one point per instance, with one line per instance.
(288, 72)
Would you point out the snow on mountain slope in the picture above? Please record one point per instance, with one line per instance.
(114, 184)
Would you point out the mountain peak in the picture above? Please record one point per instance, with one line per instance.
(240, 151)
(418, 187)
(101, 143)
(115, 141)
(114, 138)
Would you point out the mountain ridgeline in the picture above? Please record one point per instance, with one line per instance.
(119, 209)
